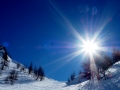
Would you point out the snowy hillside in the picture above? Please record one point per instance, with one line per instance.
(26, 82)
(77, 80)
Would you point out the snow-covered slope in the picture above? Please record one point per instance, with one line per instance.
(77, 80)
(113, 83)
(27, 82)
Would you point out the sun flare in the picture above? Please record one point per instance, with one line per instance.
(90, 47)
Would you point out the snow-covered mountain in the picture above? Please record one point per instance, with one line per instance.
(27, 82)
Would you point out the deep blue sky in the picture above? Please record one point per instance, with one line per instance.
(34, 31)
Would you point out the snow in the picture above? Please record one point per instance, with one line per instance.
(27, 82)
(77, 80)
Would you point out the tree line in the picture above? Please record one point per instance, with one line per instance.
(99, 67)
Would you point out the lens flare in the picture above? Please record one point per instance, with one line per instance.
(90, 47)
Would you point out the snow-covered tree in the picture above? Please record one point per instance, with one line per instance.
(13, 75)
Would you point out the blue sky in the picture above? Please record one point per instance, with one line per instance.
(34, 31)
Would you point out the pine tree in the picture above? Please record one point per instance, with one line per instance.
(18, 65)
(41, 74)
(68, 80)
(72, 76)
(4, 56)
(35, 72)
(30, 68)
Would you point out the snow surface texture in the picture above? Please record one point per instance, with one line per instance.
(27, 82)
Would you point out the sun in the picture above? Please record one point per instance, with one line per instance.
(90, 46)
